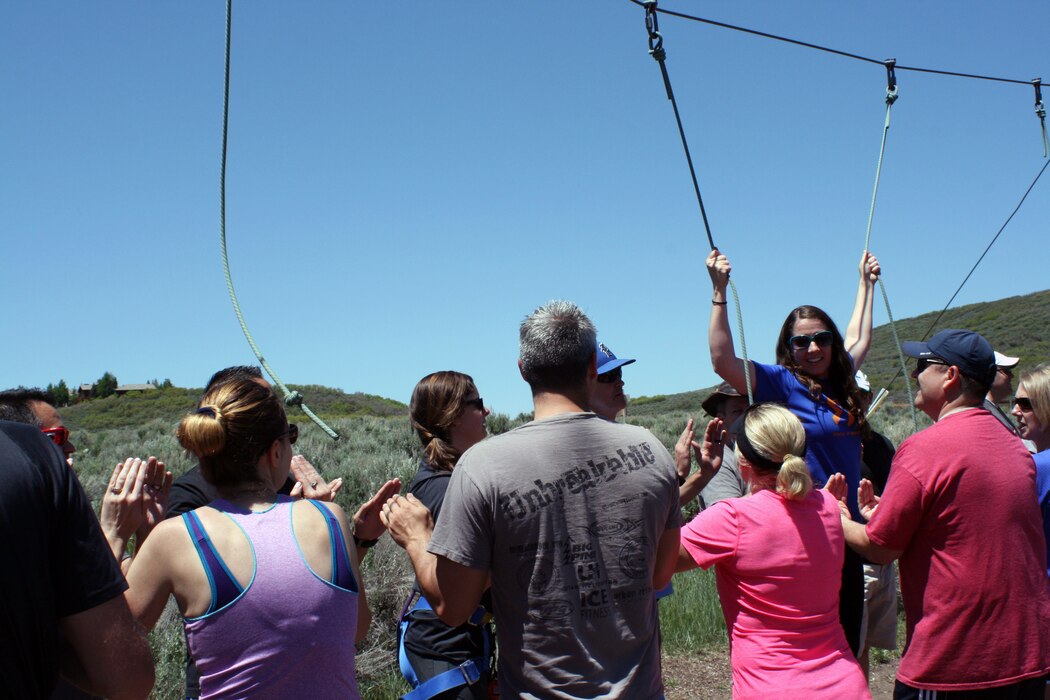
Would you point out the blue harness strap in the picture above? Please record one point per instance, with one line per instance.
(224, 587)
(467, 673)
(342, 573)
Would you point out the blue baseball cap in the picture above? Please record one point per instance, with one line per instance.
(968, 351)
(606, 360)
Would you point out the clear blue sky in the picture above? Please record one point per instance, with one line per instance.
(407, 180)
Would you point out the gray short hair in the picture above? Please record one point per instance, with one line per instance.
(557, 344)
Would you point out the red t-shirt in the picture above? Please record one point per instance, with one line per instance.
(960, 502)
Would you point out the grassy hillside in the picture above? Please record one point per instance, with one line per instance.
(169, 405)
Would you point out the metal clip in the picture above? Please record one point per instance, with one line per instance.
(652, 26)
(1040, 110)
(891, 80)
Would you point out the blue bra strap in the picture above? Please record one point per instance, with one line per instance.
(224, 587)
(342, 573)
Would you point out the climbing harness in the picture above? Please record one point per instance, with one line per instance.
(891, 97)
(656, 50)
(291, 398)
(1040, 111)
(467, 673)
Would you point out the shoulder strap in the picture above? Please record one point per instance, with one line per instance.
(342, 573)
(224, 587)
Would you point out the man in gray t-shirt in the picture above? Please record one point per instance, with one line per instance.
(574, 518)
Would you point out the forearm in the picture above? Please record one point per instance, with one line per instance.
(118, 544)
(723, 354)
(859, 330)
(858, 540)
(692, 487)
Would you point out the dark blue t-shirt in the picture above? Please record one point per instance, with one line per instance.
(832, 433)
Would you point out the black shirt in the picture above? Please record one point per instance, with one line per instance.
(56, 561)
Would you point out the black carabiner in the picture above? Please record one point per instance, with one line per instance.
(891, 80)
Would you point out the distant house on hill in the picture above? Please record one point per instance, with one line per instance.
(125, 388)
(87, 391)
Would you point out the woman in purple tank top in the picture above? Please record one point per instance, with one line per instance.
(271, 595)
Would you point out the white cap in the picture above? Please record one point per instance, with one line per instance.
(1002, 360)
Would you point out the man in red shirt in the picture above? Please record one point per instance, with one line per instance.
(960, 512)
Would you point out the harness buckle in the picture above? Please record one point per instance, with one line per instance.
(471, 672)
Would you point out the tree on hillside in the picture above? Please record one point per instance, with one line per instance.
(59, 392)
(106, 385)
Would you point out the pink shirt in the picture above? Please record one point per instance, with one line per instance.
(779, 565)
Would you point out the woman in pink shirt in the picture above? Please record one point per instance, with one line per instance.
(778, 556)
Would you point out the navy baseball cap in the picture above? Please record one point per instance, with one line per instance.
(606, 360)
(968, 351)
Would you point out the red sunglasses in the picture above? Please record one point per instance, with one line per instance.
(59, 436)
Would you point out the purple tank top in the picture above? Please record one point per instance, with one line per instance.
(288, 634)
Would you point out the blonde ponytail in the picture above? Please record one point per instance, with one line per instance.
(793, 480)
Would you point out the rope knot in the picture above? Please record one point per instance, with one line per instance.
(891, 96)
(293, 398)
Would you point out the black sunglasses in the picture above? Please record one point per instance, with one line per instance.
(1023, 403)
(922, 364)
(292, 432)
(478, 403)
(823, 339)
(610, 377)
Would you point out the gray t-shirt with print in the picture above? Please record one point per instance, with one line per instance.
(566, 513)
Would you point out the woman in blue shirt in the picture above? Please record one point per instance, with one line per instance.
(814, 377)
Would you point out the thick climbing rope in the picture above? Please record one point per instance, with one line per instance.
(656, 50)
(291, 398)
(891, 97)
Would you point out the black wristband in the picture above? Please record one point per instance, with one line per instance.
(719, 303)
(364, 544)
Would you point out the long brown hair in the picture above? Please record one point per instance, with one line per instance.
(436, 403)
(235, 423)
(841, 380)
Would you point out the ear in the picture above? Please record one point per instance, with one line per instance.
(952, 378)
(521, 370)
(273, 454)
(592, 368)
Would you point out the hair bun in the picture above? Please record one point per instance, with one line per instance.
(203, 432)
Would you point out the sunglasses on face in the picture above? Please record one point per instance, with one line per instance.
(1006, 371)
(292, 432)
(1023, 403)
(59, 436)
(922, 364)
(610, 377)
(478, 403)
(823, 339)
